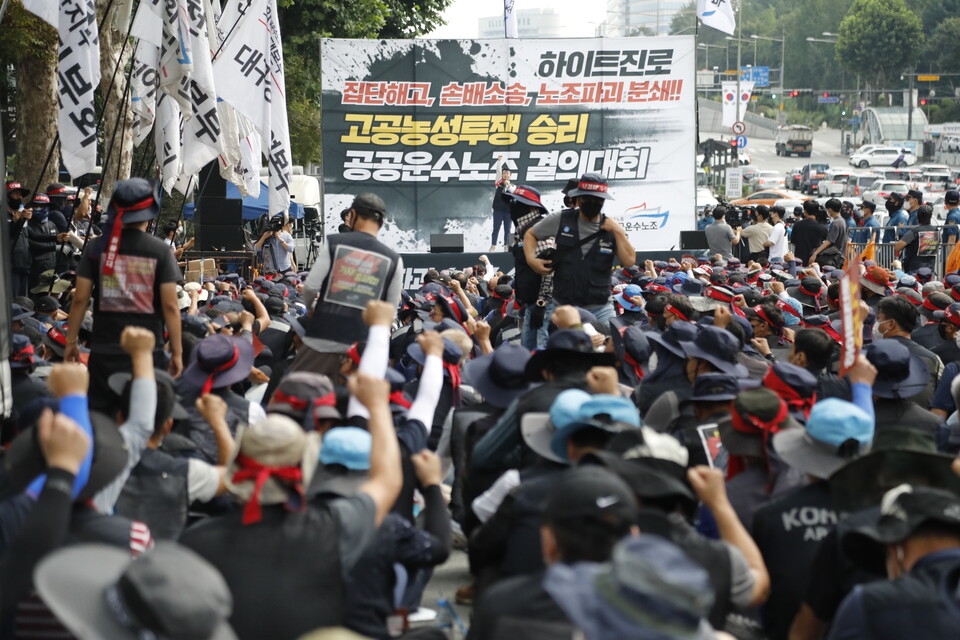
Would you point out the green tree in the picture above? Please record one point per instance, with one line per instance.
(879, 40)
(304, 22)
(942, 49)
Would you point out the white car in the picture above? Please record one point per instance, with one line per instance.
(769, 180)
(857, 183)
(882, 157)
(880, 189)
(833, 183)
(864, 148)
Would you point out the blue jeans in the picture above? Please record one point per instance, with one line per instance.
(603, 312)
(531, 338)
(501, 218)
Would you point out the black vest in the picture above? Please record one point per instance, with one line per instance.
(526, 281)
(156, 494)
(361, 269)
(916, 604)
(580, 280)
(913, 257)
(284, 571)
(198, 430)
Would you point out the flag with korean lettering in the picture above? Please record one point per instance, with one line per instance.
(717, 14)
(186, 75)
(730, 95)
(78, 74)
(144, 83)
(251, 73)
(422, 123)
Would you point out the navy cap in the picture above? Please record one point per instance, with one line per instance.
(526, 195)
(914, 193)
(951, 197)
(592, 184)
(718, 347)
(900, 374)
(136, 199)
(868, 204)
(715, 387)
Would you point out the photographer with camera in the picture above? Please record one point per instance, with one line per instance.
(721, 237)
(275, 246)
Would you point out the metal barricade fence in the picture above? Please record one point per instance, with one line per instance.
(884, 250)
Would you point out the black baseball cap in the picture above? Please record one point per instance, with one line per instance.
(370, 202)
(590, 493)
(951, 197)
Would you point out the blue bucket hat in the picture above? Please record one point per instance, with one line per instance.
(836, 432)
(348, 447)
(649, 590)
(678, 331)
(609, 413)
(623, 298)
(537, 429)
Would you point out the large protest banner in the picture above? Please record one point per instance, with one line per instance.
(422, 122)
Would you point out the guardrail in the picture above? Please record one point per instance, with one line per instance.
(884, 250)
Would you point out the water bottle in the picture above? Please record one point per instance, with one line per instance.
(444, 620)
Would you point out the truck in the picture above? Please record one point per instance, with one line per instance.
(794, 139)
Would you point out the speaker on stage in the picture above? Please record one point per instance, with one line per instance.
(220, 225)
(693, 240)
(446, 243)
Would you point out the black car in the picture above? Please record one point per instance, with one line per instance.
(812, 173)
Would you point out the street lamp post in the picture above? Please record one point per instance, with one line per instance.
(783, 62)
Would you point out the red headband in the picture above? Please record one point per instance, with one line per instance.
(763, 316)
(753, 425)
(928, 305)
(787, 307)
(398, 398)
(57, 336)
(296, 403)
(790, 395)
(912, 301)
(815, 295)
(592, 186)
(717, 294)
(250, 469)
(454, 307)
(827, 328)
(208, 385)
(354, 353)
(672, 309)
(526, 193)
(113, 245)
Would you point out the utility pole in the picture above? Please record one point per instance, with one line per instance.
(739, 41)
(910, 109)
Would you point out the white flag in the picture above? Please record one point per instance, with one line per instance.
(251, 147)
(717, 14)
(186, 74)
(144, 82)
(509, 19)
(250, 69)
(167, 136)
(230, 155)
(729, 90)
(78, 74)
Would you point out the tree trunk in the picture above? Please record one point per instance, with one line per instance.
(117, 116)
(37, 117)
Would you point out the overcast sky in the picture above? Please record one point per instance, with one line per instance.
(462, 16)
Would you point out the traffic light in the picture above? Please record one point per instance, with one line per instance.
(794, 94)
(826, 95)
(733, 143)
(923, 102)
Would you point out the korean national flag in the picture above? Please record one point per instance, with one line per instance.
(717, 14)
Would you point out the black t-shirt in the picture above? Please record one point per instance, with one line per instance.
(788, 532)
(947, 351)
(131, 296)
(521, 599)
(807, 235)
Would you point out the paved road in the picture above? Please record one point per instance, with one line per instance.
(826, 148)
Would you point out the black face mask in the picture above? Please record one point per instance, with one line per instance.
(942, 331)
(518, 210)
(591, 207)
(14, 203)
(892, 206)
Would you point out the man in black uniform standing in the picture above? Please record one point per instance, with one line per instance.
(501, 210)
(587, 243)
(352, 269)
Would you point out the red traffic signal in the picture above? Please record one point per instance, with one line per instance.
(826, 95)
(733, 143)
(923, 102)
(794, 94)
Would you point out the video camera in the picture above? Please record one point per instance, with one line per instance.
(274, 224)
